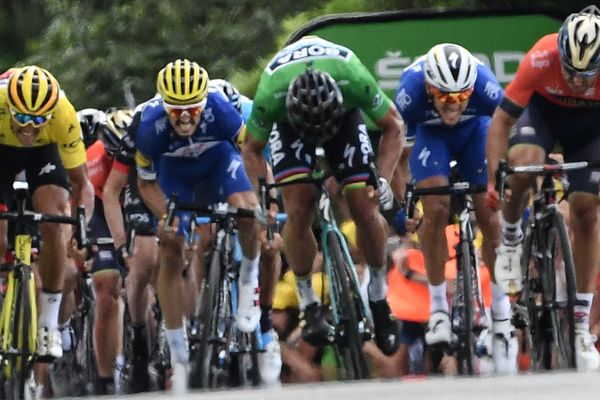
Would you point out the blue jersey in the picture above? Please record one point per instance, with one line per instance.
(155, 137)
(415, 107)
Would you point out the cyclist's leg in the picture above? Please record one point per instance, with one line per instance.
(430, 166)
(473, 168)
(108, 322)
(529, 145)
(585, 227)
(292, 158)
(230, 177)
(49, 188)
(355, 176)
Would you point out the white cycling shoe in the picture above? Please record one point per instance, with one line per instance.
(179, 378)
(507, 268)
(248, 313)
(49, 343)
(438, 328)
(505, 347)
(269, 361)
(587, 356)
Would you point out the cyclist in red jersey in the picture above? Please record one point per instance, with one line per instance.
(106, 267)
(554, 99)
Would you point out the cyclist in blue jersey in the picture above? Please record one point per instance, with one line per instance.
(184, 139)
(447, 98)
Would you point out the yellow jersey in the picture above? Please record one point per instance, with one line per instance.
(63, 129)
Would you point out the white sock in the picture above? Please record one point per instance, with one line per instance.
(249, 271)
(437, 295)
(583, 304)
(178, 344)
(512, 234)
(500, 304)
(305, 290)
(378, 284)
(65, 333)
(50, 304)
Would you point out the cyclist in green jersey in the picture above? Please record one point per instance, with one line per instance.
(311, 95)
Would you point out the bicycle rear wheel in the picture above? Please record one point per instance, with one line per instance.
(348, 341)
(560, 290)
(462, 310)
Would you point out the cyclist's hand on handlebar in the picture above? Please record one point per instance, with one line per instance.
(80, 255)
(386, 196)
(166, 232)
(492, 197)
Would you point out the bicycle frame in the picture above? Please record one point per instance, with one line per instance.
(18, 317)
(468, 315)
(343, 280)
(210, 366)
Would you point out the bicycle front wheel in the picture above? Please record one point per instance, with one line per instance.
(22, 347)
(348, 340)
(560, 289)
(462, 310)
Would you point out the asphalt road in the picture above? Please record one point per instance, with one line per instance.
(550, 386)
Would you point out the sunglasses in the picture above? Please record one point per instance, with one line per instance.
(450, 97)
(574, 73)
(177, 111)
(26, 119)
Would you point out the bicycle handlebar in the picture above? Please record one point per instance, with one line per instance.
(457, 188)
(29, 217)
(220, 211)
(504, 170)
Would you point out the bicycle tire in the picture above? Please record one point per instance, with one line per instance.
(562, 315)
(20, 365)
(463, 306)
(204, 356)
(85, 357)
(535, 332)
(246, 371)
(348, 300)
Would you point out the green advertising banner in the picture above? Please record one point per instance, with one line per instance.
(388, 42)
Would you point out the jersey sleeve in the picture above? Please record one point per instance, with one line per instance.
(66, 133)
(369, 96)
(261, 119)
(488, 91)
(519, 91)
(229, 119)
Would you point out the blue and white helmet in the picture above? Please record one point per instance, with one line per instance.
(450, 67)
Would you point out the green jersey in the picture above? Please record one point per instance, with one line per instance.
(356, 83)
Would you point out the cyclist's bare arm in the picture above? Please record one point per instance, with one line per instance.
(83, 191)
(255, 163)
(112, 206)
(152, 196)
(390, 145)
(401, 174)
(497, 141)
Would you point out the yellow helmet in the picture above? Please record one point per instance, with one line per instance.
(33, 90)
(182, 82)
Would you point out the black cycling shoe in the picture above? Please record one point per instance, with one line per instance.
(387, 331)
(316, 330)
(139, 380)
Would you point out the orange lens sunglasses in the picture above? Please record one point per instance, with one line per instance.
(451, 97)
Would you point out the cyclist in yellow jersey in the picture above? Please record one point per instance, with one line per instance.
(40, 134)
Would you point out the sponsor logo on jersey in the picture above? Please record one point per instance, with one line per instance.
(492, 90)
(71, 147)
(539, 59)
(403, 100)
(306, 52)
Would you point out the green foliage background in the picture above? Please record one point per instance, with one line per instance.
(100, 50)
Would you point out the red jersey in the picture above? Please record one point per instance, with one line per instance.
(540, 72)
(99, 164)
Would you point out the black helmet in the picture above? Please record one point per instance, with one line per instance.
(91, 121)
(315, 106)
